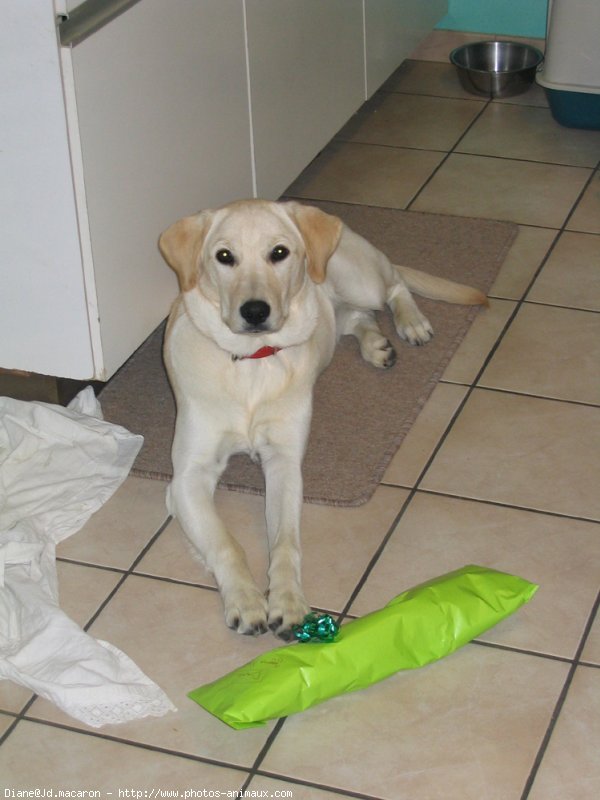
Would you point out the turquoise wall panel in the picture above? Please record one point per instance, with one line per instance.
(506, 17)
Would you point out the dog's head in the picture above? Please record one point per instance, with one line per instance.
(251, 259)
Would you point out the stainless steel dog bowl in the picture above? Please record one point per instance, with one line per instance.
(496, 69)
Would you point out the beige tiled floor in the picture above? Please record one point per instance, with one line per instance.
(501, 469)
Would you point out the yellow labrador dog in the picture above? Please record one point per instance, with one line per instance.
(266, 290)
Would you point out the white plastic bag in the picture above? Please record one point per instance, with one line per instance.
(57, 467)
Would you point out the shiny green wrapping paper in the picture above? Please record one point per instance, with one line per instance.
(417, 627)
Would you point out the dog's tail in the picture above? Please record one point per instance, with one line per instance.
(441, 289)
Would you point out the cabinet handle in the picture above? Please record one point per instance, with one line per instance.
(88, 18)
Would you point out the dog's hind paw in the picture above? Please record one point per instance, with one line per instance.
(416, 332)
(385, 357)
(377, 350)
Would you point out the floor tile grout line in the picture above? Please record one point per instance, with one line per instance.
(560, 702)
(79, 563)
(546, 304)
(10, 728)
(563, 228)
(127, 573)
(472, 98)
(588, 664)
(263, 751)
(500, 390)
(524, 160)
(522, 651)
(592, 167)
(455, 151)
(175, 581)
(140, 574)
(587, 629)
(539, 757)
(562, 306)
(386, 146)
(97, 734)
(538, 226)
(377, 554)
(314, 785)
(112, 568)
(496, 503)
(463, 98)
(426, 183)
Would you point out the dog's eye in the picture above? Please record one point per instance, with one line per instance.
(224, 256)
(279, 253)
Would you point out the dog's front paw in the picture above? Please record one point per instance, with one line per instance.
(286, 609)
(246, 611)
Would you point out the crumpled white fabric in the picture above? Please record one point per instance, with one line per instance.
(57, 467)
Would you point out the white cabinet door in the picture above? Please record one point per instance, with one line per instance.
(393, 30)
(306, 68)
(162, 109)
(43, 310)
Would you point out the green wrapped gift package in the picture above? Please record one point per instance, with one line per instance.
(417, 627)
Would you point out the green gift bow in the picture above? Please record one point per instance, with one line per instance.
(316, 628)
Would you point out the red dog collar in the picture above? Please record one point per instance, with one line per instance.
(262, 352)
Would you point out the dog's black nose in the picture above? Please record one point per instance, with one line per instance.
(255, 311)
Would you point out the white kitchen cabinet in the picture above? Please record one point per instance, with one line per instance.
(306, 68)
(172, 106)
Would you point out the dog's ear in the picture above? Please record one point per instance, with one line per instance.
(181, 244)
(321, 233)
